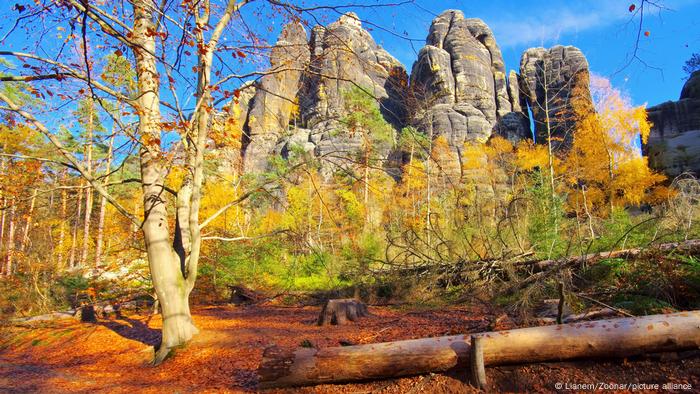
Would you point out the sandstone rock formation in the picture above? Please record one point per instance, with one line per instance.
(459, 81)
(271, 107)
(461, 92)
(515, 125)
(552, 80)
(691, 89)
(345, 56)
(227, 130)
(674, 141)
(315, 74)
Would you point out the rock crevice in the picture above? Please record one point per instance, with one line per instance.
(272, 106)
(554, 81)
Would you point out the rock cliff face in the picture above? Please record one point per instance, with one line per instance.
(551, 81)
(227, 126)
(458, 90)
(674, 141)
(459, 81)
(271, 107)
(515, 126)
(345, 56)
(314, 74)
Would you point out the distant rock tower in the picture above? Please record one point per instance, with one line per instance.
(551, 82)
(459, 81)
(674, 141)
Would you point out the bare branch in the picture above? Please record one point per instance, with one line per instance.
(70, 157)
(43, 159)
(29, 78)
(243, 238)
(70, 72)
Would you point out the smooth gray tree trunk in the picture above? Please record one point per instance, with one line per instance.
(168, 280)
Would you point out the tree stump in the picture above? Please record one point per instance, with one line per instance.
(87, 314)
(339, 311)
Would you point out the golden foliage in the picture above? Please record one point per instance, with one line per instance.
(632, 181)
(605, 160)
(175, 177)
(409, 196)
(473, 156)
(530, 156)
(498, 147)
(215, 195)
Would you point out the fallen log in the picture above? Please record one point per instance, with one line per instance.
(48, 317)
(622, 337)
(541, 265)
(590, 315)
(455, 271)
(545, 268)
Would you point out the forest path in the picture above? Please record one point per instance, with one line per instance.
(112, 355)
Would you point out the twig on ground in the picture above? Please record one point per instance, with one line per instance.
(620, 311)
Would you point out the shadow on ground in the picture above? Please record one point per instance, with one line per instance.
(133, 329)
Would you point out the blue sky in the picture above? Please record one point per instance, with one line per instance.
(601, 28)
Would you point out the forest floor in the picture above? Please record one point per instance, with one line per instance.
(112, 354)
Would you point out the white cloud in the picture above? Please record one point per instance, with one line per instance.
(605, 95)
(547, 22)
(547, 25)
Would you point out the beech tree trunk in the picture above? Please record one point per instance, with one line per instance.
(606, 338)
(74, 240)
(2, 234)
(62, 230)
(168, 280)
(3, 198)
(28, 224)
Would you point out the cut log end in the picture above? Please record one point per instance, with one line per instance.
(340, 311)
(278, 365)
(476, 361)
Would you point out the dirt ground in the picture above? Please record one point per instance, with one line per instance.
(112, 354)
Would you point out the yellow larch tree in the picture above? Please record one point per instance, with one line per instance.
(605, 169)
